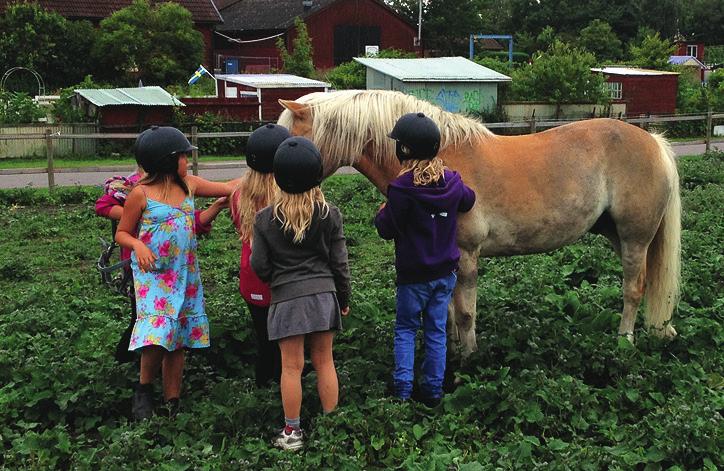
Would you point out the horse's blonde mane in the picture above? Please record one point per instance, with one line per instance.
(348, 123)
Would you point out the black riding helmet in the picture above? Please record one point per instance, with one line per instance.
(262, 145)
(417, 137)
(297, 165)
(157, 149)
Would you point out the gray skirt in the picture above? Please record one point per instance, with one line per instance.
(313, 313)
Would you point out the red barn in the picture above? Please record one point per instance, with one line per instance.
(644, 91)
(203, 12)
(690, 48)
(339, 30)
(252, 97)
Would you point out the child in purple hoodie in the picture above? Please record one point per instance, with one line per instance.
(421, 216)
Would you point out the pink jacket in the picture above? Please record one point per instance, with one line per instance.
(252, 289)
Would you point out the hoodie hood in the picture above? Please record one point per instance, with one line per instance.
(438, 196)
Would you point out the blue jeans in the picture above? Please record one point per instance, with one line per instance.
(426, 304)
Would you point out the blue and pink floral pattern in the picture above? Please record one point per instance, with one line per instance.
(170, 299)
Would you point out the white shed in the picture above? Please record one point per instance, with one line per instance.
(455, 84)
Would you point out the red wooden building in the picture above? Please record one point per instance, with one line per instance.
(690, 48)
(252, 97)
(203, 12)
(644, 91)
(339, 30)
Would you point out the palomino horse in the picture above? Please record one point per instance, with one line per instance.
(535, 193)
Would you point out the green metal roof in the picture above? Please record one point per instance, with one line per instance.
(434, 69)
(140, 96)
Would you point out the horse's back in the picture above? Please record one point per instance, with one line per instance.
(542, 191)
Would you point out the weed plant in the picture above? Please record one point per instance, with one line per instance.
(551, 386)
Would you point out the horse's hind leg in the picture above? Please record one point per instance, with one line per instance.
(633, 259)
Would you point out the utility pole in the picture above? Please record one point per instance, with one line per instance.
(419, 24)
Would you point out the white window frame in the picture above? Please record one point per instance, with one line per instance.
(615, 90)
(692, 50)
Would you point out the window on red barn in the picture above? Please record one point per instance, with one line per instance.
(615, 89)
(692, 50)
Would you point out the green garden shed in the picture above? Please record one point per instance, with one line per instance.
(455, 84)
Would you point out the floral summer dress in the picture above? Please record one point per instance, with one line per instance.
(170, 299)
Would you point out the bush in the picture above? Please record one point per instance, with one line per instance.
(18, 107)
(63, 109)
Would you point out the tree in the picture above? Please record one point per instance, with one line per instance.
(599, 38)
(704, 20)
(562, 74)
(446, 26)
(299, 61)
(652, 53)
(157, 44)
(44, 41)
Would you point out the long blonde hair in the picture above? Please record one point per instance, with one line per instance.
(295, 211)
(256, 191)
(424, 172)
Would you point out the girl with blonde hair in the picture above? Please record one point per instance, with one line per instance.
(299, 248)
(421, 217)
(255, 191)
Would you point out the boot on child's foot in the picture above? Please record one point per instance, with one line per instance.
(142, 407)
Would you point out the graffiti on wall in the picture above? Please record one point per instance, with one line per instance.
(449, 99)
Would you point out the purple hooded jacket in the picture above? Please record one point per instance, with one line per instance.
(423, 222)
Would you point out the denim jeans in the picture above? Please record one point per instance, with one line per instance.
(422, 304)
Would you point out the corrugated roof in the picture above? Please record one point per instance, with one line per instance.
(140, 96)
(272, 81)
(632, 71)
(686, 60)
(202, 11)
(434, 69)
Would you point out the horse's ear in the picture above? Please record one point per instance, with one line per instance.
(299, 110)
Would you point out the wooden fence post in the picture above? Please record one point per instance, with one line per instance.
(532, 124)
(49, 155)
(708, 130)
(195, 152)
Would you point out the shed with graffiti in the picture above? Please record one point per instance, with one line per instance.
(455, 84)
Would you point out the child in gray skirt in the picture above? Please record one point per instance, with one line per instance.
(299, 249)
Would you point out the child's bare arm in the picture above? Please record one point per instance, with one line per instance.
(202, 187)
(135, 204)
(208, 215)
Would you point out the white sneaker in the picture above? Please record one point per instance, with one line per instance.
(289, 439)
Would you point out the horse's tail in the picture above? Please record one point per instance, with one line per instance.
(663, 262)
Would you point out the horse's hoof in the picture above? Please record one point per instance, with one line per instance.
(667, 331)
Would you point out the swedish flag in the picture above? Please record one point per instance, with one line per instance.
(198, 74)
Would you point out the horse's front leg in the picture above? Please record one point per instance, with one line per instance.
(462, 310)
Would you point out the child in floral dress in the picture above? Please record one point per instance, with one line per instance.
(169, 295)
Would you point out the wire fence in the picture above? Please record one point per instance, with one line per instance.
(52, 138)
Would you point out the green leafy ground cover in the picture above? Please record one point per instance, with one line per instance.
(551, 386)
